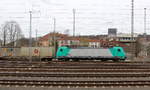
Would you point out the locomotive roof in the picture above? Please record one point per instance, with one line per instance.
(87, 47)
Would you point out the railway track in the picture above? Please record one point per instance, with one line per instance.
(19, 63)
(68, 62)
(76, 67)
(75, 64)
(3, 62)
(71, 70)
(25, 64)
(55, 73)
(74, 83)
(86, 75)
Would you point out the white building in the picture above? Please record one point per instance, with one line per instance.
(68, 41)
(94, 44)
(126, 37)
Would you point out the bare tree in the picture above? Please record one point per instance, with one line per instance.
(148, 50)
(11, 33)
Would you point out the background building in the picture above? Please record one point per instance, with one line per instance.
(47, 40)
(112, 32)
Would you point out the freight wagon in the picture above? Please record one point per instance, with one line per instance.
(9, 52)
(114, 53)
(24, 52)
(43, 53)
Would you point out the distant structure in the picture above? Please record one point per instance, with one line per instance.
(112, 32)
(67, 32)
(126, 37)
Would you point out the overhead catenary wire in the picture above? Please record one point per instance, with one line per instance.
(91, 12)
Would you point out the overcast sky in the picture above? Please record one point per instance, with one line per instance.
(92, 16)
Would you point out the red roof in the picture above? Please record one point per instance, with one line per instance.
(69, 38)
(46, 37)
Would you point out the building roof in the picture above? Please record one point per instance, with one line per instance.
(47, 36)
(80, 39)
(69, 38)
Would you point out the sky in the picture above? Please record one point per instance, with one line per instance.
(93, 17)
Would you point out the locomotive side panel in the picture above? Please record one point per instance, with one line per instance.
(90, 52)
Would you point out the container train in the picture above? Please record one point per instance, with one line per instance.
(66, 53)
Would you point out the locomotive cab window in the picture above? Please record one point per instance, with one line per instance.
(61, 50)
(119, 50)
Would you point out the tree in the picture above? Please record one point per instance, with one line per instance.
(148, 50)
(11, 32)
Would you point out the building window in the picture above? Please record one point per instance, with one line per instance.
(61, 42)
(71, 42)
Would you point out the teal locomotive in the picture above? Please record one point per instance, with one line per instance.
(113, 53)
